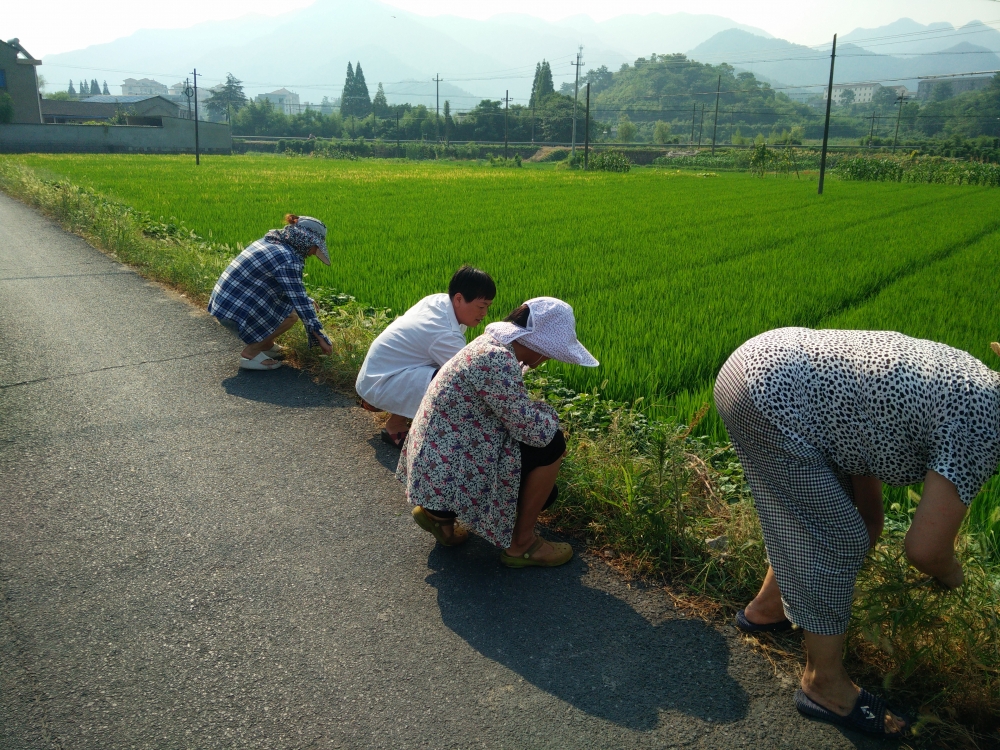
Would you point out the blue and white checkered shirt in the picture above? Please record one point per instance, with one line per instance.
(260, 288)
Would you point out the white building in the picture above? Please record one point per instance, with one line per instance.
(143, 87)
(864, 93)
(283, 99)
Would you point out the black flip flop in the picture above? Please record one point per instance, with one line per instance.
(745, 626)
(868, 715)
(396, 440)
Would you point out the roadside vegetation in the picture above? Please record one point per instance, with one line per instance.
(667, 273)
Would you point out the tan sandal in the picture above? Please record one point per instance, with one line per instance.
(436, 526)
(563, 554)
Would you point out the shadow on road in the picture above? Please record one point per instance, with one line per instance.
(384, 453)
(284, 387)
(581, 644)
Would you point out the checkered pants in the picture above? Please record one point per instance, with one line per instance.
(815, 539)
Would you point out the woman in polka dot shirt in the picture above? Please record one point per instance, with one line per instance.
(820, 420)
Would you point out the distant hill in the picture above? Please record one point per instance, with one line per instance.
(797, 65)
(307, 51)
(934, 37)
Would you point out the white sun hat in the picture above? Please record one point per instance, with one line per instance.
(551, 331)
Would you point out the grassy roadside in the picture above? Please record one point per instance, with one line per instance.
(647, 495)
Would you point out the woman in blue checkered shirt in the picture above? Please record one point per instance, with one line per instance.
(261, 294)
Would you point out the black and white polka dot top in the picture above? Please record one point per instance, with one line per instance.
(880, 403)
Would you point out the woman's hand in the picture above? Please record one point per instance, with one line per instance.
(324, 343)
(930, 542)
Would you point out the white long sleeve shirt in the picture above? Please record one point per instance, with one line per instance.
(402, 360)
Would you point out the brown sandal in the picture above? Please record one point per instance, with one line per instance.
(564, 553)
(435, 526)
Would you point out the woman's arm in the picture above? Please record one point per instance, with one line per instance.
(502, 389)
(930, 542)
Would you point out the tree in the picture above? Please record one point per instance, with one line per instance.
(228, 97)
(95, 87)
(542, 86)
(363, 100)
(71, 91)
(847, 97)
(599, 79)
(885, 98)
(6, 108)
(380, 106)
(661, 132)
(105, 91)
(942, 91)
(347, 95)
(626, 130)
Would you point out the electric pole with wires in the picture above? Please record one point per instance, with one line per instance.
(197, 148)
(437, 102)
(715, 127)
(826, 127)
(576, 92)
(899, 116)
(506, 102)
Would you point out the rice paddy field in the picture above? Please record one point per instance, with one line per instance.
(668, 271)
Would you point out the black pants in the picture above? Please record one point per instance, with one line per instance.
(531, 458)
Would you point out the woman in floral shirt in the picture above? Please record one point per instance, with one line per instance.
(481, 450)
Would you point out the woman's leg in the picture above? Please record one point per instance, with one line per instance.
(766, 608)
(252, 350)
(537, 488)
(397, 424)
(826, 681)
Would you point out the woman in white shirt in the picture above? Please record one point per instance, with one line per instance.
(403, 359)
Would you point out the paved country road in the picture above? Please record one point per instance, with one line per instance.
(197, 557)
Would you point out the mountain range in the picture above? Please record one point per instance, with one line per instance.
(307, 51)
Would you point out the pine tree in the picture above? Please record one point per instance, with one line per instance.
(106, 92)
(542, 86)
(95, 89)
(380, 106)
(347, 96)
(71, 91)
(362, 97)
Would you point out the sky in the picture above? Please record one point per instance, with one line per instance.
(50, 26)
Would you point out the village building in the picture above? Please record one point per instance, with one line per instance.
(957, 84)
(284, 100)
(139, 110)
(864, 93)
(143, 87)
(19, 80)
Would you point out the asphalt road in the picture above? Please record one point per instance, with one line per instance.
(192, 556)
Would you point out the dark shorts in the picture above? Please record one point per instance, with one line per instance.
(531, 458)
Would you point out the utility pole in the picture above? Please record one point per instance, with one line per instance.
(506, 102)
(437, 100)
(694, 108)
(197, 148)
(586, 133)
(398, 152)
(715, 128)
(826, 127)
(871, 131)
(576, 92)
(732, 124)
(701, 125)
(899, 116)
(532, 123)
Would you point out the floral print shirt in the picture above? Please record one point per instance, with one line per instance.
(461, 453)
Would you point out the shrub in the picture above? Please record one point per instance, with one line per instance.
(611, 161)
(6, 108)
(502, 161)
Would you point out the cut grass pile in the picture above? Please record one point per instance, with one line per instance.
(668, 273)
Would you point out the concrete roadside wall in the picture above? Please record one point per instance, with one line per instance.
(176, 136)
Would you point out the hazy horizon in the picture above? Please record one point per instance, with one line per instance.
(65, 28)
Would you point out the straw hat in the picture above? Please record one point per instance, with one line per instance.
(551, 331)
